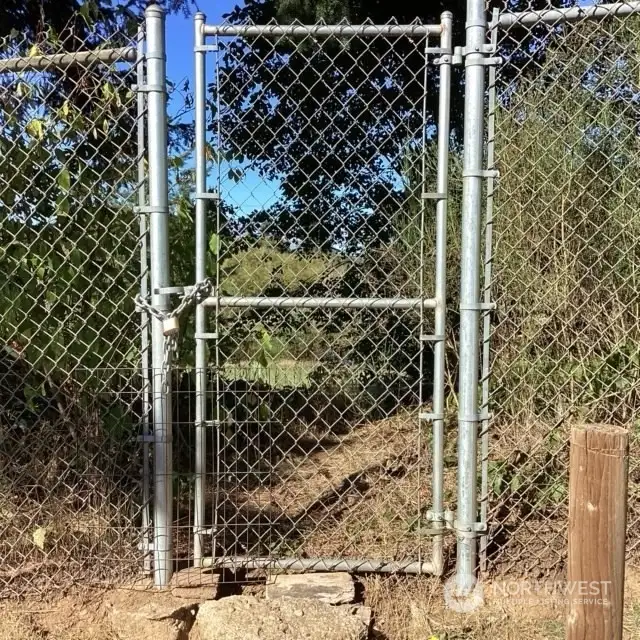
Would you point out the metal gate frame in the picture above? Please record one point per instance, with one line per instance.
(475, 303)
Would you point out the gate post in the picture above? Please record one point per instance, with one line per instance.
(160, 278)
(470, 306)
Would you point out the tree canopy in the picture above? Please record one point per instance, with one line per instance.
(332, 121)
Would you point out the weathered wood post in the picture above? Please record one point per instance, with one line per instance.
(597, 528)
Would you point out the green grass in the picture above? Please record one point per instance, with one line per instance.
(278, 373)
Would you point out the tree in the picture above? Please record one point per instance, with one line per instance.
(332, 120)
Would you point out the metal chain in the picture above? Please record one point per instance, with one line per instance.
(171, 329)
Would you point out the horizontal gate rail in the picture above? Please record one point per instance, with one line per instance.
(260, 302)
(322, 564)
(326, 31)
(62, 60)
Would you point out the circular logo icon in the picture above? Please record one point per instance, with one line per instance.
(463, 598)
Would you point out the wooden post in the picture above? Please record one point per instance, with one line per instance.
(597, 530)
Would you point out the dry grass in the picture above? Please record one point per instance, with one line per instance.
(413, 608)
(363, 494)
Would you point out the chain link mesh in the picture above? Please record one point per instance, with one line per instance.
(70, 388)
(565, 333)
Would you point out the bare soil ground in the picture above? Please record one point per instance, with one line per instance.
(407, 608)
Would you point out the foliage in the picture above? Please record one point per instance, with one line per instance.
(566, 262)
(302, 113)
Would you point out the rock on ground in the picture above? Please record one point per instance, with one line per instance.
(248, 618)
(332, 588)
(145, 615)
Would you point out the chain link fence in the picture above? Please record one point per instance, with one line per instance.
(71, 392)
(563, 132)
(313, 402)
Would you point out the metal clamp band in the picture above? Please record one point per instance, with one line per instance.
(149, 88)
(203, 531)
(206, 336)
(481, 173)
(204, 48)
(207, 196)
(434, 196)
(483, 62)
(447, 58)
(476, 417)
(469, 530)
(477, 306)
(168, 291)
(431, 417)
(430, 337)
(150, 209)
(486, 49)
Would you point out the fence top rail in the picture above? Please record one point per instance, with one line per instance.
(324, 30)
(571, 14)
(64, 60)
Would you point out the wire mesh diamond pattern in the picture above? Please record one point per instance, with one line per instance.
(70, 388)
(565, 228)
(317, 147)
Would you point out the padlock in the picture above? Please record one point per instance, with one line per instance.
(170, 327)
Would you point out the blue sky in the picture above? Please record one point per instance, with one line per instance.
(251, 192)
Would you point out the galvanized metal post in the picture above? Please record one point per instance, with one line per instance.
(160, 277)
(201, 267)
(144, 318)
(442, 188)
(470, 307)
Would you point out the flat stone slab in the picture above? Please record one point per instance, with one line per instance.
(332, 588)
(195, 584)
(250, 618)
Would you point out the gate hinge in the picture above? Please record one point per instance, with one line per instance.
(204, 48)
(461, 53)
(449, 521)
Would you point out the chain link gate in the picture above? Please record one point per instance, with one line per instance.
(318, 387)
(321, 374)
